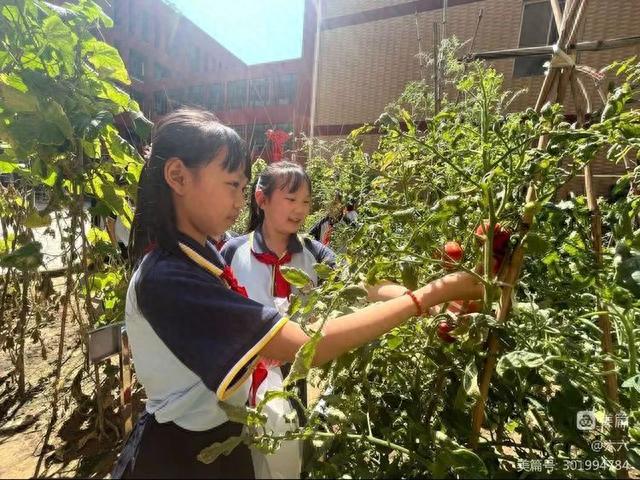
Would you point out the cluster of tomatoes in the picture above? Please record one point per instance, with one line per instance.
(452, 255)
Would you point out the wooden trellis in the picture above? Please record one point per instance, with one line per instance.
(562, 75)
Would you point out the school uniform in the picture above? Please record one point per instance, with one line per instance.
(194, 339)
(323, 228)
(258, 269)
(226, 236)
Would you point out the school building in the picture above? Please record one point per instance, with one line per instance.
(173, 62)
(367, 52)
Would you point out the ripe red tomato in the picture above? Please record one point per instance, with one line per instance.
(443, 332)
(452, 254)
(501, 237)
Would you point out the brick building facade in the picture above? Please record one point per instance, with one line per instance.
(172, 62)
(367, 51)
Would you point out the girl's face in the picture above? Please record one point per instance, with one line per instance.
(286, 211)
(208, 199)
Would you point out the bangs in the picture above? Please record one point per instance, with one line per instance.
(237, 154)
(291, 179)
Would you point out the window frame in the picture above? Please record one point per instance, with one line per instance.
(523, 66)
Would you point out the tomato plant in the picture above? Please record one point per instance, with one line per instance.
(401, 407)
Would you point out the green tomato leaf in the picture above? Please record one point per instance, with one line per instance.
(323, 270)
(470, 380)
(633, 382)
(295, 277)
(212, 452)
(304, 358)
(519, 359)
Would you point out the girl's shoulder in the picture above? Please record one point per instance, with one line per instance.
(231, 247)
(320, 252)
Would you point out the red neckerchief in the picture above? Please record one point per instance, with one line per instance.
(219, 243)
(258, 376)
(281, 288)
(326, 238)
(228, 276)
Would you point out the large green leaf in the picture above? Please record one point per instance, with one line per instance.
(27, 257)
(58, 34)
(106, 60)
(18, 101)
(54, 115)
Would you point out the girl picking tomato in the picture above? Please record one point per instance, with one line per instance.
(195, 336)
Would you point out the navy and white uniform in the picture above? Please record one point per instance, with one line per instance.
(259, 279)
(194, 342)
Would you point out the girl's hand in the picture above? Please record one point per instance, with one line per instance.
(455, 286)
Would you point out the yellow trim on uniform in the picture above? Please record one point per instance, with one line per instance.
(200, 260)
(223, 390)
(232, 389)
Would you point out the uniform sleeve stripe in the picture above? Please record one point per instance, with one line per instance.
(224, 391)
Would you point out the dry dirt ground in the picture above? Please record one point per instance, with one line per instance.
(77, 446)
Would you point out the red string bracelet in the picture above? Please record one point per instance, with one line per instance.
(415, 300)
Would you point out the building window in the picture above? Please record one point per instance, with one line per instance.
(538, 28)
(160, 104)
(136, 64)
(237, 94)
(176, 97)
(132, 18)
(216, 97)
(195, 95)
(195, 59)
(139, 98)
(157, 38)
(257, 136)
(259, 92)
(160, 72)
(118, 13)
(146, 29)
(285, 90)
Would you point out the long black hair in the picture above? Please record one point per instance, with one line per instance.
(195, 137)
(284, 175)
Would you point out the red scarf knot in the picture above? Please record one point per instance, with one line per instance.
(228, 276)
(281, 288)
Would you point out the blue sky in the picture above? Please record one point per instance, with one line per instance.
(256, 31)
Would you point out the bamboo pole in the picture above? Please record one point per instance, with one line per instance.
(436, 66)
(573, 15)
(557, 13)
(586, 46)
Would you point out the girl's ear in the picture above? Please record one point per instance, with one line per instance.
(175, 174)
(260, 197)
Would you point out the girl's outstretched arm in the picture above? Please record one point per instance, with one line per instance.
(345, 333)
